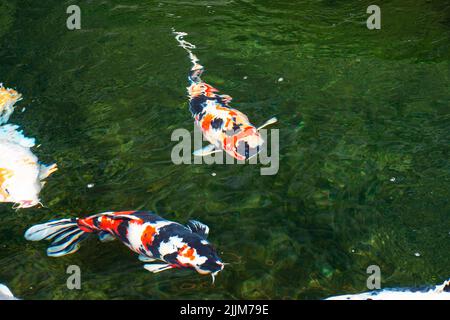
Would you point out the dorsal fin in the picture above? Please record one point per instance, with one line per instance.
(198, 228)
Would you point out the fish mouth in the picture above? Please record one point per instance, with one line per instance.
(248, 149)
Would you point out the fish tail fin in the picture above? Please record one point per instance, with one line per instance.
(46, 171)
(197, 69)
(65, 235)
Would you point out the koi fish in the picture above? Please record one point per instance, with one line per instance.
(8, 97)
(227, 129)
(6, 294)
(21, 175)
(440, 292)
(147, 234)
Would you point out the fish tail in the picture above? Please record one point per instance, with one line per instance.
(197, 69)
(65, 235)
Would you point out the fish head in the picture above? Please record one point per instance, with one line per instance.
(249, 144)
(200, 255)
(24, 193)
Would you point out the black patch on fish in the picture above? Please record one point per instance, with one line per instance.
(122, 231)
(174, 230)
(447, 287)
(96, 222)
(236, 127)
(216, 123)
(164, 233)
(148, 216)
(211, 265)
(171, 258)
(201, 115)
(197, 104)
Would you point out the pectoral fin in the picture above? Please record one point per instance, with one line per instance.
(209, 149)
(46, 171)
(146, 258)
(155, 268)
(105, 237)
(199, 228)
(268, 123)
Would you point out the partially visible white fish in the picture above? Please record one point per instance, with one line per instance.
(21, 174)
(6, 294)
(8, 97)
(441, 292)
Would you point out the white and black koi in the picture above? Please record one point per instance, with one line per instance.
(440, 292)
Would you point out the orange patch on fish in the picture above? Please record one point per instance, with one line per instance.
(106, 223)
(187, 252)
(148, 236)
(87, 225)
(209, 90)
(206, 123)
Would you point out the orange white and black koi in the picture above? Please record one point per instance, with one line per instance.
(225, 128)
(145, 233)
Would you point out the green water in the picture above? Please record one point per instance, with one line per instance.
(364, 115)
